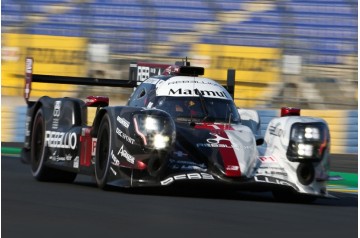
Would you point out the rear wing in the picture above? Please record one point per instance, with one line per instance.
(138, 72)
(40, 78)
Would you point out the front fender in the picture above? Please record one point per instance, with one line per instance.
(283, 159)
(131, 144)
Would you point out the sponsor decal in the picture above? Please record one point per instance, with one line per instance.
(57, 158)
(272, 171)
(191, 92)
(93, 146)
(232, 168)
(123, 153)
(217, 139)
(276, 131)
(113, 170)
(63, 140)
(29, 65)
(57, 107)
(145, 72)
(76, 162)
(215, 143)
(193, 82)
(27, 132)
(123, 122)
(124, 136)
(269, 166)
(56, 115)
(267, 159)
(115, 160)
(186, 165)
(190, 176)
(267, 179)
(28, 76)
(180, 154)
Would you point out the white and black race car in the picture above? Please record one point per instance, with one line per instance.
(177, 127)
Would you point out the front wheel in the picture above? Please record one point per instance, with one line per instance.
(103, 146)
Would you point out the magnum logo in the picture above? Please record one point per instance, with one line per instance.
(190, 92)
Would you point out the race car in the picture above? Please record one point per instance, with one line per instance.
(177, 127)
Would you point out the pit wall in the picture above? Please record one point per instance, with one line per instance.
(343, 126)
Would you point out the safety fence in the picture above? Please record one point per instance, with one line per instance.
(343, 126)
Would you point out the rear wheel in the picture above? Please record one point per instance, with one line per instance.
(102, 159)
(39, 153)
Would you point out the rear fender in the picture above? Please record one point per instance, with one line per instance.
(60, 114)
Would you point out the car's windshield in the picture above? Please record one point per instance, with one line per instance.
(196, 108)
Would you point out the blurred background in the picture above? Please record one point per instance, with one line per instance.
(300, 53)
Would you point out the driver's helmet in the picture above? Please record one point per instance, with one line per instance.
(184, 108)
(193, 107)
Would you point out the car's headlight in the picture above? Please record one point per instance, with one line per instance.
(155, 131)
(308, 141)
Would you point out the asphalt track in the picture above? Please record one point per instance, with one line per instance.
(38, 209)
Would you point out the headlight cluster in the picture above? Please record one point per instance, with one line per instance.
(156, 131)
(308, 141)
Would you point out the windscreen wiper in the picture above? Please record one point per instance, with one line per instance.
(203, 106)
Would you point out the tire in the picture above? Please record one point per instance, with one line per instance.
(39, 153)
(102, 158)
(290, 196)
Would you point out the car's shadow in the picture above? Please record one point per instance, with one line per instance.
(215, 192)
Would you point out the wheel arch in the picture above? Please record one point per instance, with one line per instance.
(32, 110)
(97, 120)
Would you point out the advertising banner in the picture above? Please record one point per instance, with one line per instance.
(257, 68)
(53, 55)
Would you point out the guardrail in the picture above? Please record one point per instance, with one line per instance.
(343, 126)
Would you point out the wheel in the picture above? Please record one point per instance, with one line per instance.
(291, 196)
(39, 153)
(102, 158)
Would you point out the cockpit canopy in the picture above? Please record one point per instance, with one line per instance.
(198, 109)
(187, 98)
